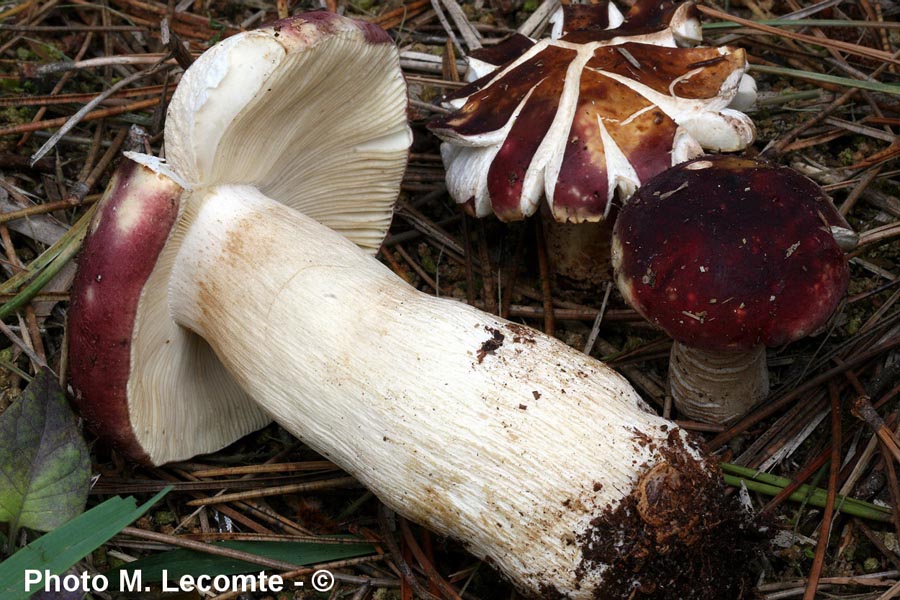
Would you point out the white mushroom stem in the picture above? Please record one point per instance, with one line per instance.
(480, 429)
(578, 251)
(717, 386)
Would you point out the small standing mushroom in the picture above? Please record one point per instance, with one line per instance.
(199, 315)
(729, 255)
(597, 110)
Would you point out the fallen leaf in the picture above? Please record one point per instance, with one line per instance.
(44, 462)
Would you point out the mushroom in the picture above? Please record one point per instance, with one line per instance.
(236, 120)
(729, 255)
(200, 315)
(595, 111)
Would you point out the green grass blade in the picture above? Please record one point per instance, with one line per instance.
(58, 550)
(45, 267)
(772, 485)
(872, 86)
(74, 235)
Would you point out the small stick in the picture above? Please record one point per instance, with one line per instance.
(513, 274)
(771, 408)
(5, 330)
(877, 234)
(39, 209)
(30, 320)
(329, 566)
(76, 98)
(467, 253)
(93, 116)
(879, 55)
(277, 491)
(102, 61)
(863, 410)
(84, 110)
(595, 330)
(293, 467)
(72, 28)
(858, 191)
(180, 542)
(827, 514)
(80, 190)
(230, 512)
(395, 265)
(445, 588)
(394, 548)
(877, 542)
(797, 481)
(420, 271)
(894, 489)
(487, 271)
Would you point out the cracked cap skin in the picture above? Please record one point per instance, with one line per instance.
(594, 113)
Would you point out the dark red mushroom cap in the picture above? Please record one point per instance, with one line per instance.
(149, 388)
(132, 224)
(728, 253)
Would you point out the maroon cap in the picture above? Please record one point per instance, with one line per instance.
(590, 22)
(303, 28)
(128, 232)
(728, 253)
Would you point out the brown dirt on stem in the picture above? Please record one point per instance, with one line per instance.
(677, 536)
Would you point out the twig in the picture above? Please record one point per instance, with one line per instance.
(797, 481)
(53, 68)
(5, 330)
(405, 571)
(827, 514)
(595, 329)
(84, 110)
(879, 55)
(98, 114)
(312, 465)
(487, 271)
(433, 576)
(544, 269)
(863, 410)
(857, 192)
(280, 490)
(180, 542)
(330, 566)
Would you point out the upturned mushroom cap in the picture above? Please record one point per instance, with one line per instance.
(312, 111)
(598, 110)
(727, 253)
(336, 152)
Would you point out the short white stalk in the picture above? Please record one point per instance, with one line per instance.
(476, 427)
(579, 251)
(717, 386)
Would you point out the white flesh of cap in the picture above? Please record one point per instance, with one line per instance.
(238, 118)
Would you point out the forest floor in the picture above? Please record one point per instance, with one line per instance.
(828, 77)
